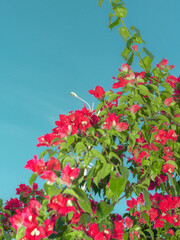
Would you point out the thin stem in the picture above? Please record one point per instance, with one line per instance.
(140, 59)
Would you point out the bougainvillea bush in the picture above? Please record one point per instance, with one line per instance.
(127, 148)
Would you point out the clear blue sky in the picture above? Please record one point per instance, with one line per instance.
(49, 48)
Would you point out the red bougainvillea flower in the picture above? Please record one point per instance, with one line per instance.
(24, 189)
(168, 168)
(113, 121)
(98, 92)
(36, 233)
(153, 213)
(168, 101)
(135, 48)
(131, 203)
(118, 230)
(121, 82)
(134, 108)
(128, 222)
(48, 227)
(172, 135)
(53, 164)
(36, 165)
(172, 80)
(13, 204)
(97, 235)
(170, 231)
(61, 205)
(45, 140)
(69, 174)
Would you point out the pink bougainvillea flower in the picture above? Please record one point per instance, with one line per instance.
(135, 48)
(168, 101)
(50, 176)
(16, 220)
(125, 67)
(34, 206)
(128, 222)
(98, 92)
(69, 174)
(162, 64)
(36, 165)
(134, 108)
(29, 219)
(122, 126)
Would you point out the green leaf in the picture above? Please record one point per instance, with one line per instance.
(137, 36)
(20, 232)
(70, 140)
(102, 173)
(132, 140)
(103, 210)
(5, 234)
(124, 172)
(150, 232)
(84, 219)
(112, 97)
(130, 60)
(176, 119)
(148, 53)
(83, 200)
(167, 87)
(80, 148)
(154, 87)
(115, 23)
(114, 155)
(120, 12)
(124, 33)
(163, 118)
(33, 178)
(71, 192)
(144, 90)
(51, 152)
(97, 154)
(51, 190)
(146, 197)
(145, 63)
(126, 54)
(100, 3)
(117, 186)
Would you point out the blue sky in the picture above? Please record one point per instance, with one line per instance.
(50, 48)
